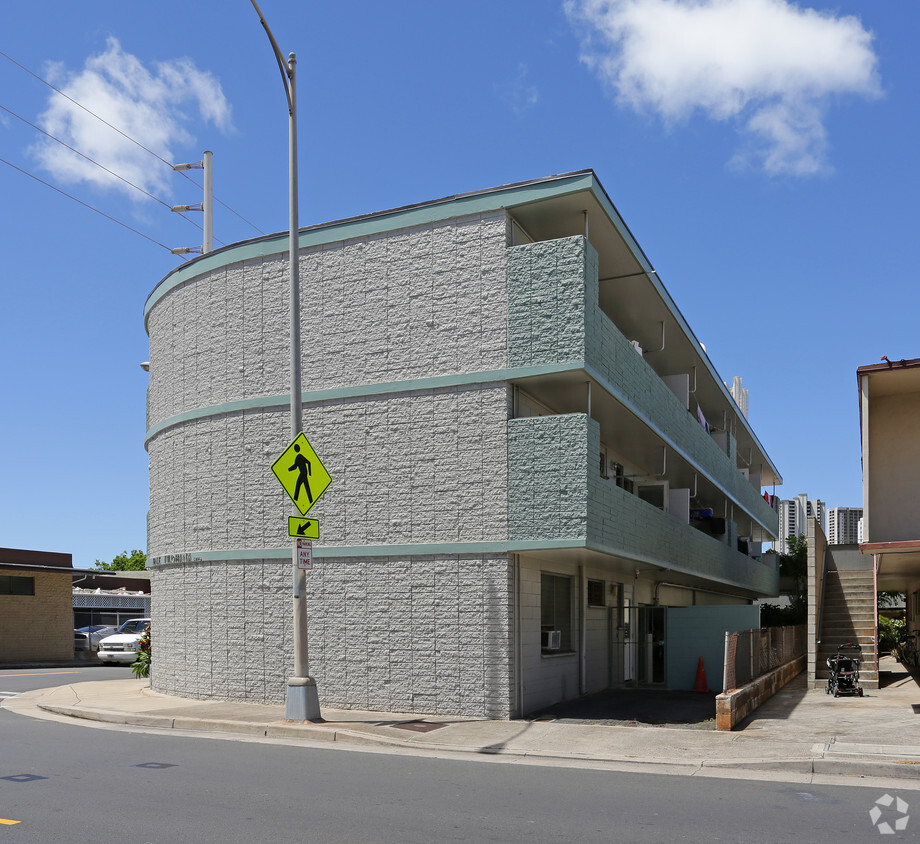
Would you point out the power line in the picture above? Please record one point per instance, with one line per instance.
(86, 157)
(103, 167)
(124, 135)
(84, 204)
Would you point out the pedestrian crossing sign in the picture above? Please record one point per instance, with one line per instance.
(302, 474)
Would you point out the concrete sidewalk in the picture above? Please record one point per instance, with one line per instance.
(797, 734)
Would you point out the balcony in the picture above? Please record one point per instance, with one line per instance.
(555, 319)
(558, 500)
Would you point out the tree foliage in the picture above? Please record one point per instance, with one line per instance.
(890, 599)
(135, 561)
(794, 565)
(890, 631)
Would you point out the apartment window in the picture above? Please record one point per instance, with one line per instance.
(619, 473)
(15, 585)
(596, 589)
(555, 613)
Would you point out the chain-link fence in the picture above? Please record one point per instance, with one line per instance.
(752, 653)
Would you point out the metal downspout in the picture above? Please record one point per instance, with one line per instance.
(518, 644)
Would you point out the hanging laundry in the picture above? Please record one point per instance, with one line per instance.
(702, 419)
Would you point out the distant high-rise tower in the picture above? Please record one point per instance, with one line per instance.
(843, 525)
(739, 394)
(793, 518)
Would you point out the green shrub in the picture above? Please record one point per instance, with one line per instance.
(890, 631)
(141, 665)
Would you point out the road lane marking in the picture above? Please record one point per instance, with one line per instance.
(43, 674)
(8, 822)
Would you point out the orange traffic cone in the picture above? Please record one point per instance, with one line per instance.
(701, 685)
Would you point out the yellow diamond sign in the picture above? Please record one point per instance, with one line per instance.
(301, 473)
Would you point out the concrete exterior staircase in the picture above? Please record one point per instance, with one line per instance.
(850, 615)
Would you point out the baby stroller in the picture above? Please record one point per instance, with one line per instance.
(844, 671)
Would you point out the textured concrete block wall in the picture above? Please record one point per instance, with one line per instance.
(429, 634)
(412, 303)
(419, 467)
(422, 466)
(548, 477)
(556, 493)
(546, 293)
(555, 283)
(222, 629)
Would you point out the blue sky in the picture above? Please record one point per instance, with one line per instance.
(763, 153)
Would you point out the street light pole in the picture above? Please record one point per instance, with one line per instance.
(302, 699)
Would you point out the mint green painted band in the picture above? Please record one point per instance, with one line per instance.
(422, 550)
(381, 389)
(617, 393)
(438, 382)
(354, 551)
(609, 551)
(365, 226)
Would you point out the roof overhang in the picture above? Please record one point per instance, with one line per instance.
(897, 563)
(563, 205)
(57, 569)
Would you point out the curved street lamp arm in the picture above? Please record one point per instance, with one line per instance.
(283, 66)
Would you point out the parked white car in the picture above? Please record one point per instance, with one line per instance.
(122, 647)
(88, 638)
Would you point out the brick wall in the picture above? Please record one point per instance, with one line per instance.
(38, 627)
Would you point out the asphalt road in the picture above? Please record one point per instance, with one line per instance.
(70, 783)
(16, 680)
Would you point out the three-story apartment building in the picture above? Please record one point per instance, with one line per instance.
(541, 486)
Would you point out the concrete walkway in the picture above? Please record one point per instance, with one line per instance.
(795, 736)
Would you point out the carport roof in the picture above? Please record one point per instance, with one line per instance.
(58, 569)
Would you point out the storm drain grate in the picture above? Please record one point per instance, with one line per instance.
(419, 726)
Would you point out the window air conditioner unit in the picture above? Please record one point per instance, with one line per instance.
(551, 640)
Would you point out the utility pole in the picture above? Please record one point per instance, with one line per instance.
(206, 205)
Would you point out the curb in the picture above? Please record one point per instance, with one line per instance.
(895, 769)
(902, 769)
(333, 734)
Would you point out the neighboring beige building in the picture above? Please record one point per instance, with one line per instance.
(889, 395)
(35, 595)
(844, 579)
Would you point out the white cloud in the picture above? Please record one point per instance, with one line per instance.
(769, 66)
(145, 104)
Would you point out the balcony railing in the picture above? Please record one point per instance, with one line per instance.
(557, 495)
(555, 317)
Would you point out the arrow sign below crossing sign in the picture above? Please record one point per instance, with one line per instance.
(307, 528)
